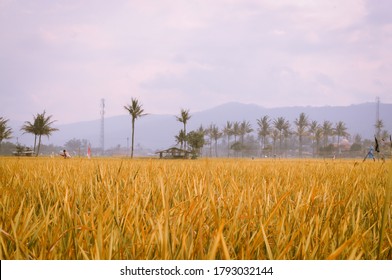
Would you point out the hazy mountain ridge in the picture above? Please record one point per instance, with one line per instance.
(158, 131)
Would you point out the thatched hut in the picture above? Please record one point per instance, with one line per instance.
(174, 153)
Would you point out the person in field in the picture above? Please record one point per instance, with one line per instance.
(370, 154)
(65, 154)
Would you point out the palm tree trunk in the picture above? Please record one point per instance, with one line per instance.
(185, 144)
(228, 146)
(35, 142)
(339, 151)
(216, 148)
(133, 136)
(300, 146)
(39, 145)
(242, 145)
(280, 144)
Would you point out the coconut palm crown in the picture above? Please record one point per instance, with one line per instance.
(135, 109)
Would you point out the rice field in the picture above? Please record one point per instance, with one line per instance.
(151, 209)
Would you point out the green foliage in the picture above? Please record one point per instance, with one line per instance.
(41, 125)
(5, 131)
(356, 147)
(196, 141)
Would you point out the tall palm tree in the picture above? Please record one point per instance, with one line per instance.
(215, 134)
(327, 131)
(228, 131)
(302, 123)
(42, 125)
(29, 127)
(318, 136)
(286, 135)
(5, 131)
(244, 128)
(184, 117)
(313, 127)
(275, 136)
(340, 131)
(280, 123)
(136, 111)
(264, 129)
(236, 132)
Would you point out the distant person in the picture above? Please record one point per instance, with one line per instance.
(370, 154)
(89, 152)
(65, 154)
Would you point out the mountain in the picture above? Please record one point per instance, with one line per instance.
(158, 131)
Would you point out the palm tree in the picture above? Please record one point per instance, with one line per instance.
(340, 130)
(245, 128)
(42, 125)
(286, 134)
(208, 142)
(264, 129)
(236, 132)
(180, 138)
(136, 111)
(5, 131)
(327, 131)
(215, 134)
(280, 123)
(313, 127)
(275, 136)
(29, 127)
(302, 123)
(318, 136)
(184, 118)
(228, 131)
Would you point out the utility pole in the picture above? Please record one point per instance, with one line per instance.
(102, 139)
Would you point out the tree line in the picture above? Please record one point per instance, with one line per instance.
(280, 138)
(275, 137)
(40, 126)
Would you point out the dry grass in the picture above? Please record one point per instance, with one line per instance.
(202, 209)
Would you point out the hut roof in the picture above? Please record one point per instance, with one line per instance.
(172, 149)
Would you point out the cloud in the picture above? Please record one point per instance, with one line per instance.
(64, 56)
(378, 12)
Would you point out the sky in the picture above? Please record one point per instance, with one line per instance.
(65, 56)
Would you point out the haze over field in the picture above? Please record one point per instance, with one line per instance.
(64, 56)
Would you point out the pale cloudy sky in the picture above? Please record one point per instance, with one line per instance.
(64, 56)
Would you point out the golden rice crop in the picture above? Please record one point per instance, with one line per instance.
(51, 208)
